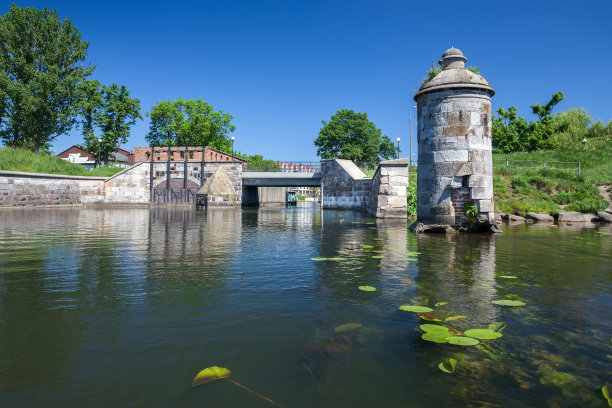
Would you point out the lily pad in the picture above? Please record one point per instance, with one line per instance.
(413, 253)
(415, 309)
(367, 246)
(428, 328)
(210, 374)
(367, 288)
(411, 259)
(436, 336)
(441, 304)
(336, 259)
(508, 277)
(318, 259)
(347, 327)
(483, 334)
(450, 318)
(430, 317)
(342, 251)
(448, 366)
(377, 257)
(508, 302)
(605, 391)
(461, 341)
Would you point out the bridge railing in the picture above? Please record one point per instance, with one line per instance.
(285, 167)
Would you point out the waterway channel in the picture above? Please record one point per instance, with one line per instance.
(123, 307)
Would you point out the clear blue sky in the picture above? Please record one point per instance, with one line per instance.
(281, 67)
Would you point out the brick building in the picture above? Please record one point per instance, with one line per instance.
(74, 154)
(177, 153)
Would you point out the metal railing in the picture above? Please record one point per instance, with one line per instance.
(286, 167)
(537, 165)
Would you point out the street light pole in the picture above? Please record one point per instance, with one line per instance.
(410, 132)
(99, 150)
(398, 140)
(232, 138)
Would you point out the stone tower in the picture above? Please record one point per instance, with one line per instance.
(454, 144)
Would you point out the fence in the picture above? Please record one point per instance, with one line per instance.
(537, 164)
(285, 167)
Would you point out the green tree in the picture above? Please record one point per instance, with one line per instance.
(350, 135)
(109, 109)
(189, 122)
(511, 133)
(41, 65)
(574, 125)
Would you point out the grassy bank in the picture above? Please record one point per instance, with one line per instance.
(30, 162)
(546, 190)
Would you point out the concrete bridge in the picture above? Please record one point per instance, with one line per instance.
(280, 179)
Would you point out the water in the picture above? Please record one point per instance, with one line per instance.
(122, 307)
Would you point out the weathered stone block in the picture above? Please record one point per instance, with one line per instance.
(481, 193)
(477, 155)
(485, 205)
(451, 156)
(480, 181)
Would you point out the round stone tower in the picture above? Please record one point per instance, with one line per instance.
(454, 145)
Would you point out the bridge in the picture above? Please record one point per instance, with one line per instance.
(280, 179)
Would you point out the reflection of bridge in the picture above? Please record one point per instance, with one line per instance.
(281, 179)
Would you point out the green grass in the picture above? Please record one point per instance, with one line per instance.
(30, 162)
(545, 190)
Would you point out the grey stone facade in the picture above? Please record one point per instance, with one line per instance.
(28, 190)
(454, 144)
(388, 196)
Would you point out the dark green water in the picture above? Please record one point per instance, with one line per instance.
(122, 307)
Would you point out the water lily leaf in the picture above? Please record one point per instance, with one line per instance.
(448, 319)
(483, 334)
(405, 280)
(508, 302)
(415, 309)
(336, 259)
(367, 288)
(435, 336)
(497, 326)
(318, 259)
(342, 251)
(347, 327)
(367, 246)
(430, 317)
(508, 277)
(210, 374)
(441, 304)
(428, 328)
(448, 366)
(413, 253)
(380, 251)
(377, 257)
(605, 391)
(461, 341)
(411, 259)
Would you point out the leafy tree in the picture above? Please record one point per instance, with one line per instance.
(511, 133)
(189, 122)
(41, 65)
(350, 135)
(112, 111)
(574, 125)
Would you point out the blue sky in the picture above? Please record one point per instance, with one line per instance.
(281, 67)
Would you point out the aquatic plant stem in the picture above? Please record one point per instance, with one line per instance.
(276, 404)
(313, 379)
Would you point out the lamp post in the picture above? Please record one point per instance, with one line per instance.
(232, 139)
(398, 140)
(410, 132)
(99, 149)
(584, 141)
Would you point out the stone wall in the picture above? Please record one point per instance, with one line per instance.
(344, 185)
(29, 189)
(454, 136)
(130, 186)
(388, 196)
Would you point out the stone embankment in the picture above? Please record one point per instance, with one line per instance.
(561, 218)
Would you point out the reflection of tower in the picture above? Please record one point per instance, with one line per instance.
(460, 270)
(454, 140)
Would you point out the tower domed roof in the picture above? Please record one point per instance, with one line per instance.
(452, 51)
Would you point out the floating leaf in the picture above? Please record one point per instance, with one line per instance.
(412, 253)
(347, 327)
(210, 374)
(448, 366)
(380, 251)
(415, 309)
(441, 304)
(428, 328)
(405, 280)
(430, 317)
(450, 318)
(367, 246)
(508, 277)
(411, 259)
(367, 288)
(605, 391)
(377, 257)
(336, 259)
(435, 336)
(508, 302)
(342, 251)
(483, 334)
(497, 326)
(318, 259)
(461, 341)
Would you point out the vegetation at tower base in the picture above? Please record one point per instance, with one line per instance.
(189, 122)
(17, 159)
(41, 65)
(111, 110)
(350, 135)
